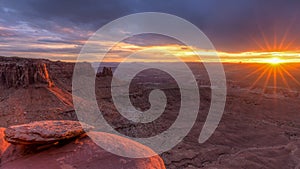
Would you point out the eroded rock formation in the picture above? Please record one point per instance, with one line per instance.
(16, 72)
(106, 71)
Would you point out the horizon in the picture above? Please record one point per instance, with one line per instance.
(116, 62)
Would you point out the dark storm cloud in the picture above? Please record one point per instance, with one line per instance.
(231, 25)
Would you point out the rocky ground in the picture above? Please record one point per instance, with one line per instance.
(260, 128)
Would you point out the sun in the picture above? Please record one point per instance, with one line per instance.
(274, 73)
(275, 61)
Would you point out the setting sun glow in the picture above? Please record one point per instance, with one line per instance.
(275, 61)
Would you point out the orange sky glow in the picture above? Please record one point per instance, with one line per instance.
(190, 54)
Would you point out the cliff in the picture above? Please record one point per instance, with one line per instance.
(18, 72)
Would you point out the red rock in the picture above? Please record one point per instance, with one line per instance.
(84, 153)
(3, 143)
(18, 72)
(39, 87)
(44, 132)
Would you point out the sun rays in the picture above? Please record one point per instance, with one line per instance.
(274, 72)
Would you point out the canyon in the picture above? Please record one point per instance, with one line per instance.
(260, 127)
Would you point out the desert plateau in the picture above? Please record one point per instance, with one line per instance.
(260, 127)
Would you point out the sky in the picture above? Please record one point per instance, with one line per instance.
(241, 30)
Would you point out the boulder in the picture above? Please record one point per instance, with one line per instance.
(44, 132)
(84, 153)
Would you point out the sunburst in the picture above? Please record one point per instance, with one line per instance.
(274, 69)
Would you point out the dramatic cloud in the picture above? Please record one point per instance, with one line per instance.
(56, 28)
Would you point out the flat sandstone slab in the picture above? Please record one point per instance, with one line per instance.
(45, 132)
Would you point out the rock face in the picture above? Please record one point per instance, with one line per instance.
(16, 72)
(80, 153)
(106, 71)
(3, 143)
(44, 132)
